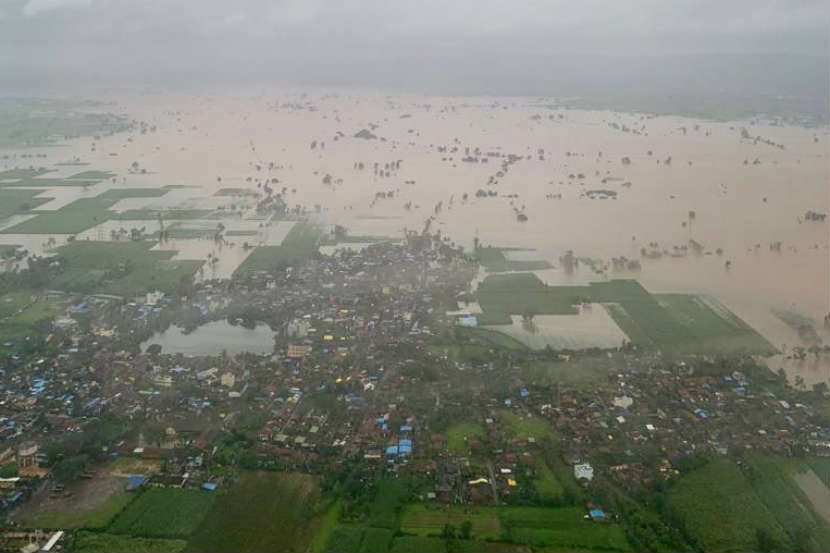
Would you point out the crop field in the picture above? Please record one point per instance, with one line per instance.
(299, 244)
(18, 201)
(458, 434)
(22, 314)
(425, 520)
(260, 512)
(164, 513)
(772, 479)
(572, 373)
(676, 322)
(376, 540)
(418, 544)
(494, 260)
(547, 485)
(96, 542)
(345, 539)
(70, 219)
(121, 268)
(490, 338)
(720, 509)
(560, 529)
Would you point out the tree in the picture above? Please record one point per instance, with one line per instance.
(448, 532)
(466, 530)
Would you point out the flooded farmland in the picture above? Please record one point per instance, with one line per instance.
(705, 207)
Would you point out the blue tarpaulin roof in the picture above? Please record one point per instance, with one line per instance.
(597, 514)
(135, 482)
(210, 486)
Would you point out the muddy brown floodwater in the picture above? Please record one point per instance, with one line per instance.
(682, 179)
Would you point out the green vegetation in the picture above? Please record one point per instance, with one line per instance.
(345, 539)
(93, 175)
(260, 512)
(121, 193)
(95, 518)
(14, 201)
(495, 261)
(26, 173)
(771, 478)
(573, 373)
(417, 544)
(423, 520)
(147, 214)
(299, 244)
(120, 268)
(164, 513)
(459, 434)
(96, 542)
(560, 529)
(327, 525)
(490, 338)
(674, 322)
(391, 496)
(23, 314)
(547, 486)
(524, 427)
(719, 509)
(376, 540)
(71, 219)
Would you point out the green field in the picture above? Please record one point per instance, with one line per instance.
(18, 201)
(560, 529)
(426, 520)
(417, 544)
(345, 539)
(489, 338)
(23, 314)
(23, 173)
(121, 193)
(120, 268)
(300, 244)
(93, 175)
(821, 466)
(494, 260)
(376, 540)
(260, 512)
(547, 486)
(459, 434)
(719, 509)
(96, 542)
(674, 322)
(96, 518)
(573, 373)
(164, 513)
(71, 219)
(771, 478)
(524, 427)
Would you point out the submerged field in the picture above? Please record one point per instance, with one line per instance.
(673, 322)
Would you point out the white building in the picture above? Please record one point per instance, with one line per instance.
(584, 470)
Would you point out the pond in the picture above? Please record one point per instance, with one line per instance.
(214, 337)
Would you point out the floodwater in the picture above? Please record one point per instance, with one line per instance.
(706, 193)
(592, 327)
(213, 338)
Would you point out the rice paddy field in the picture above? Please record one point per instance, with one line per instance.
(672, 322)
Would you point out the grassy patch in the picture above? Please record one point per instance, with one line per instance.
(23, 173)
(70, 219)
(300, 244)
(490, 338)
(459, 434)
(93, 175)
(560, 529)
(18, 201)
(235, 192)
(376, 540)
(573, 374)
(821, 466)
(166, 214)
(121, 193)
(121, 268)
(164, 513)
(98, 517)
(96, 542)
(327, 525)
(522, 428)
(547, 485)
(495, 261)
(260, 512)
(719, 508)
(345, 539)
(22, 314)
(426, 520)
(391, 496)
(418, 544)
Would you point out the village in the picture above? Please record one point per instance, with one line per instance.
(372, 374)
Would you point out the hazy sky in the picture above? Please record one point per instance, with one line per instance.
(388, 42)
